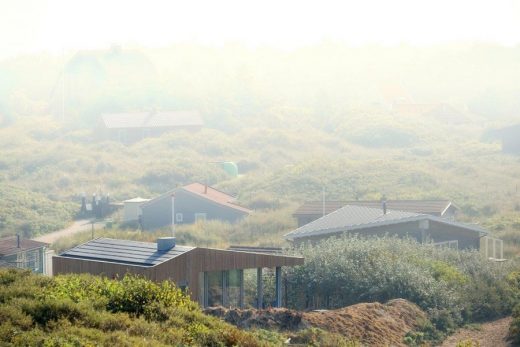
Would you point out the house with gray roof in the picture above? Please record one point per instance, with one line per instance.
(312, 210)
(369, 221)
(211, 276)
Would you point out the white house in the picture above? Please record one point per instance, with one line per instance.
(132, 209)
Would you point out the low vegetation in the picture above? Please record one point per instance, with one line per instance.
(296, 123)
(453, 287)
(84, 310)
(90, 311)
(30, 213)
(264, 228)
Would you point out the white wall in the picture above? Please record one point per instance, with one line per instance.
(132, 210)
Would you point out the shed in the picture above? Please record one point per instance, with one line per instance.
(132, 209)
(213, 276)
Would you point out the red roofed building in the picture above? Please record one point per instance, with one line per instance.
(189, 204)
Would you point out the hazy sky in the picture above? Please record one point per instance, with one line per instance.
(55, 25)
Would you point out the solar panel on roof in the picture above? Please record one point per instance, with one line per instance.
(124, 251)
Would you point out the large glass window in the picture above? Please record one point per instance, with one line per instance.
(21, 260)
(33, 260)
(215, 288)
(233, 290)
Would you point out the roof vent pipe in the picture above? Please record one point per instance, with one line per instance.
(17, 240)
(165, 243)
(384, 206)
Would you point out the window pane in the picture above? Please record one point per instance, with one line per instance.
(214, 288)
(233, 290)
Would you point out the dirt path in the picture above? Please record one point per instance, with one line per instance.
(492, 334)
(76, 227)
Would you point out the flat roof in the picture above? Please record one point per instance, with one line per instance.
(138, 199)
(124, 252)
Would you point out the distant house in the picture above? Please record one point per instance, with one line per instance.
(212, 276)
(191, 203)
(441, 112)
(134, 126)
(88, 72)
(510, 137)
(23, 254)
(132, 209)
(368, 221)
(312, 210)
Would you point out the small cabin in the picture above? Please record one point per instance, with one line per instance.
(22, 253)
(190, 204)
(374, 222)
(212, 277)
(132, 209)
(131, 127)
(312, 210)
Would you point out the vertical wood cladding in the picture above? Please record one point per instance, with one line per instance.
(184, 268)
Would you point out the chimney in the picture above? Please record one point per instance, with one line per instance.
(164, 244)
(384, 206)
(18, 241)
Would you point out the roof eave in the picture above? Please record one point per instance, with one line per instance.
(293, 235)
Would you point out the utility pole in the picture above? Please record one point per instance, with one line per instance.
(323, 201)
(173, 215)
(63, 86)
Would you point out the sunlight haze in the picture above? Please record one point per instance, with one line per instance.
(55, 25)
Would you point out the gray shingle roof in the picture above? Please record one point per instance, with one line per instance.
(435, 207)
(124, 252)
(350, 218)
(152, 119)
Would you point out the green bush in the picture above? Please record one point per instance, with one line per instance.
(453, 287)
(83, 310)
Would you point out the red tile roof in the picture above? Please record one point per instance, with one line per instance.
(214, 195)
(211, 194)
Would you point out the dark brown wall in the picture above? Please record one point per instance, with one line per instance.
(437, 232)
(183, 269)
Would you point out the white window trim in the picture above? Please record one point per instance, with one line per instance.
(200, 217)
(447, 244)
(178, 217)
(21, 260)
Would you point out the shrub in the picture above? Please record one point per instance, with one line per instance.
(451, 286)
(82, 310)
